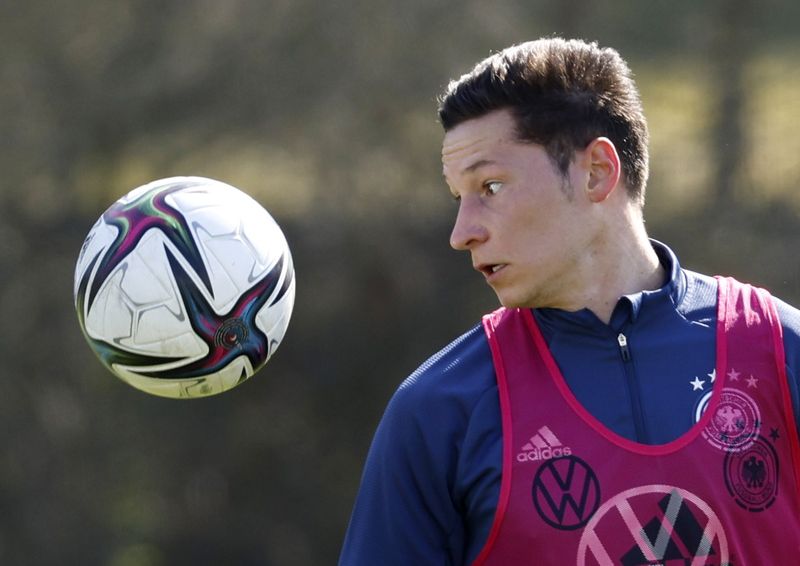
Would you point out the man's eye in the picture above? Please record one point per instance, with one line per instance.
(493, 187)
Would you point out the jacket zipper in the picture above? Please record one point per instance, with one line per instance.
(622, 340)
(633, 388)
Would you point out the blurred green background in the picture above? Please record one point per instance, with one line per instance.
(325, 113)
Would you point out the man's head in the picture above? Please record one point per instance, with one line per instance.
(562, 95)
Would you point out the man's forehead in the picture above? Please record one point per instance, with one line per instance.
(495, 126)
(476, 143)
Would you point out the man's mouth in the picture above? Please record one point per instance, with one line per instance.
(490, 269)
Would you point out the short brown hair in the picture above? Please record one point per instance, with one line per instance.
(562, 94)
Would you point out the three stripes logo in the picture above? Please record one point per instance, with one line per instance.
(543, 445)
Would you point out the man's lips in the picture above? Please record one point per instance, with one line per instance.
(490, 269)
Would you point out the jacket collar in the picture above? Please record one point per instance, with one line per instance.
(631, 307)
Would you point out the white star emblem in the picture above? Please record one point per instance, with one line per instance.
(712, 375)
(752, 381)
(697, 384)
(733, 375)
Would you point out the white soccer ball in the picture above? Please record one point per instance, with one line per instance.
(184, 287)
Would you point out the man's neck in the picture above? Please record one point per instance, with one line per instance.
(623, 263)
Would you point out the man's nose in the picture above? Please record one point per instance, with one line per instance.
(467, 230)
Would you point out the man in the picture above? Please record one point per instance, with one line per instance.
(619, 409)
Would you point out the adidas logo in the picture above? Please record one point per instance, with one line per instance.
(543, 445)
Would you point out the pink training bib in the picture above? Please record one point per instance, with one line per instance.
(574, 492)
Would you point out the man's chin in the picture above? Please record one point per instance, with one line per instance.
(510, 302)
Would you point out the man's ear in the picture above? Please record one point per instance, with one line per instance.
(604, 166)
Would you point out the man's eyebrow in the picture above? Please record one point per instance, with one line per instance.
(472, 167)
(478, 164)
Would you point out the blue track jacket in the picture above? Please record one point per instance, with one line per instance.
(432, 476)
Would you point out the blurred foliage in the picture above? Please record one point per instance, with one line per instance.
(325, 112)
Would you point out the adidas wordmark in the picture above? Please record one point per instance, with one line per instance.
(543, 445)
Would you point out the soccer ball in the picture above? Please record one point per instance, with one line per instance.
(184, 287)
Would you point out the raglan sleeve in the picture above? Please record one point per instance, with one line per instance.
(408, 509)
(790, 321)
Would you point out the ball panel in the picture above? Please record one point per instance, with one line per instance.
(273, 318)
(111, 299)
(235, 373)
(146, 279)
(100, 237)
